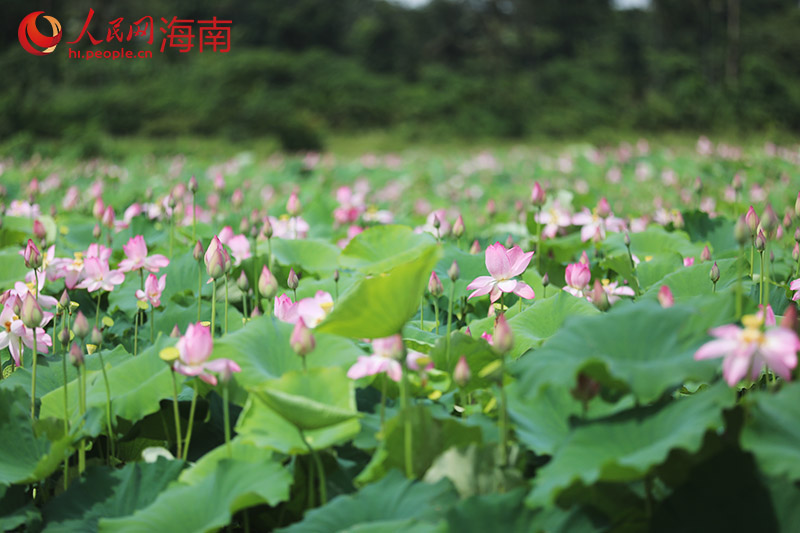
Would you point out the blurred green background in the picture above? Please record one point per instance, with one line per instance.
(302, 72)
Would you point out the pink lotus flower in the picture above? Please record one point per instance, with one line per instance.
(688, 261)
(289, 228)
(503, 265)
(577, 277)
(795, 286)
(195, 348)
(383, 360)
(351, 205)
(595, 224)
(136, 252)
(239, 244)
(21, 290)
(153, 287)
(418, 361)
(285, 309)
(554, 219)
(614, 291)
(747, 350)
(311, 310)
(49, 266)
(665, 297)
(97, 276)
(12, 331)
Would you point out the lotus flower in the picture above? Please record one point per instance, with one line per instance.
(239, 244)
(136, 257)
(97, 276)
(595, 224)
(577, 277)
(747, 350)
(195, 348)
(503, 265)
(383, 360)
(153, 287)
(12, 331)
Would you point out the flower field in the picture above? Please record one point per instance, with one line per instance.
(576, 339)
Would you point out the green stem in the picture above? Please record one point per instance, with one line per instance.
(152, 323)
(739, 284)
(227, 419)
(244, 304)
(421, 315)
(191, 422)
(171, 231)
(82, 406)
(323, 490)
(752, 254)
(256, 296)
(503, 415)
(761, 280)
(450, 322)
(213, 305)
(97, 313)
(194, 217)
(33, 379)
(108, 407)
(199, 289)
(766, 275)
(269, 254)
(66, 398)
(176, 415)
(383, 403)
(436, 314)
(226, 303)
(408, 441)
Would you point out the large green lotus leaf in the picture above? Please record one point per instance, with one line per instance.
(381, 248)
(137, 385)
(543, 417)
(379, 306)
(392, 501)
(474, 469)
(29, 453)
(650, 272)
(691, 281)
(207, 504)
(476, 351)
(17, 510)
(312, 255)
(639, 346)
(620, 263)
(108, 493)
(12, 268)
(772, 431)
(430, 437)
(316, 399)
(626, 446)
(239, 450)
(260, 425)
(718, 232)
(263, 351)
(653, 241)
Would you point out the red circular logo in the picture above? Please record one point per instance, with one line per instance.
(29, 35)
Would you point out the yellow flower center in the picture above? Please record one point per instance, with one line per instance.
(752, 332)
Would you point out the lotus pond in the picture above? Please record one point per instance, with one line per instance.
(564, 340)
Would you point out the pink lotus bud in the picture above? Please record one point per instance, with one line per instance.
(458, 227)
(491, 207)
(713, 275)
(752, 220)
(698, 185)
(787, 220)
(665, 297)
(435, 285)
(63, 336)
(293, 206)
(237, 198)
(267, 284)
(255, 312)
(603, 209)
(545, 280)
(302, 340)
(538, 196)
(219, 183)
(453, 272)
(39, 230)
(737, 183)
(796, 251)
(761, 241)
(797, 205)
(193, 186)
(740, 231)
(215, 259)
(584, 259)
(32, 256)
(97, 337)
(76, 355)
(99, 208)
(64, 301)
(503, 338)
(578, 275)
(599, 297)
(108, 217)
(242, 282)
(769, 220)
(31, 313)
(267, 229)
(292, 281)
(461, 372)
(198, 251)
(705, 255)
(510, 242)
(244, 226)
(81, 325)
(176, 332)
(789, 320)
(96, 232)
(475, 249)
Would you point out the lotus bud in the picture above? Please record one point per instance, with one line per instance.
(293, 206)
(176, 332)
(237, 198)
(796, 251)
(545, 280)
(789, 320)
(475, 249)
(215, 259)
(461, 373)
(665, 297)
(81, 326)
(97, 337)
(740, 231)
(267, 284)
(436, 223)
(99, 208)
(584, 259)
(255, 313)
(458, 227)
(797, 205)
(193, 185)
(453, 272)
(714, 273)
(63, 336)
(698, 185)
(491, 207)
(76, 355)
(64, 301)
(603, 208)
(705, 255)
(752, 221)
(769, 220)
(435, 285)
(267, 229)
(677, 220)
(510, 241)
(336, 276)
(198, 251)
(737, 183)
(761, 241)
(599, 297)
(292, 281)
(244, 226)
(585, 389)
(108, 217)
(538, 195)
(503, 338)
(31, 313)
(32, 256)
(39, 230)
(302, 340)
(242, 283)
(787, 220)
(96, 232)
(626, 239)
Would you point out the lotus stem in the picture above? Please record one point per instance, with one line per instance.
(64, 318)
(226, 414)
(408, 440)
(33, 379)
(199, 289)
(226, 303)
(213, 305)
(323, 490)
(82, 405)
(450, 321)
(108, 407)
(176, 415)
(152, 323)
(191, 422)
(436, 313)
